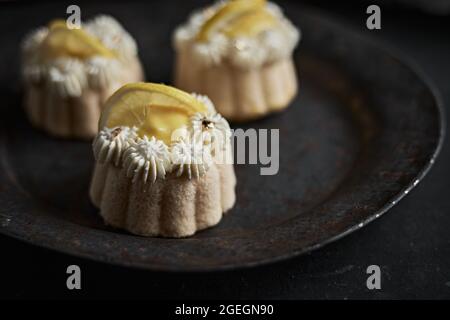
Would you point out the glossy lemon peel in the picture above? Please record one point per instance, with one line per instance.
(156, 110)
(64, 42)
(229, 14)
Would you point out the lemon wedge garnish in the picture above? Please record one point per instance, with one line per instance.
(62, 41)
(155, 109)
(230, 11)
(251, 23)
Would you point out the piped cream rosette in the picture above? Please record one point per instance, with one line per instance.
(173, 150)
(69, 73)
(248, 33)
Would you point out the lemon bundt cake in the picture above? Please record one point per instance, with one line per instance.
(69, 73)
(163, 162)
(239, 54)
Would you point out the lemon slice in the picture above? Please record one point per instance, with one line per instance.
(62, 41)
(155, 109)
(251, 23)
(231, 10)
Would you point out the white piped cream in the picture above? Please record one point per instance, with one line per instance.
(245, 52)
(190, 159)
(102, 72)
(146, 160)
(111, 33)
(69, 76)
(110, 143)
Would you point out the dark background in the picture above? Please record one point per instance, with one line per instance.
(411, 243)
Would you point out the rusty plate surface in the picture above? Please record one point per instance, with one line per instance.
(363, 131)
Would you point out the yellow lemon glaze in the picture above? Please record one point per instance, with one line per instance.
(225, 15)
(155, 109)
(62, 41)
(251, 23)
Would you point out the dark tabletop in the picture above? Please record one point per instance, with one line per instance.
(411, 243)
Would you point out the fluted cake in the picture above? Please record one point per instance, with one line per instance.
(69, 73)
(163, 162)
(239, 53)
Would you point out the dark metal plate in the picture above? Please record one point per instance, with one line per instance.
(363, 131)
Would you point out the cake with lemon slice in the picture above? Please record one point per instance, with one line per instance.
(69, 73)
(239, 53)
(163, 162)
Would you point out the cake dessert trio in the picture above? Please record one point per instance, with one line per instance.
(163, 158)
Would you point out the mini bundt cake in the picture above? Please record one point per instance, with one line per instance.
(239, 54)
(69, 73)
(163, 162)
